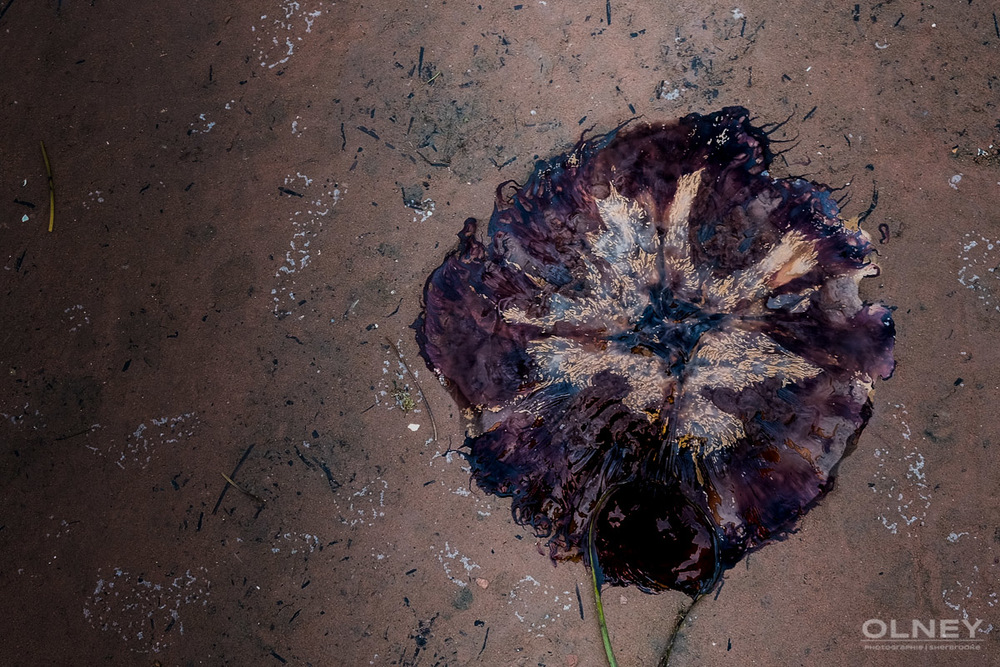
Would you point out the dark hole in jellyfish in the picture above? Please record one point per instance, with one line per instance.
(661, 348)
(649, 534)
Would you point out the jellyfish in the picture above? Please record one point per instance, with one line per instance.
(660, 349)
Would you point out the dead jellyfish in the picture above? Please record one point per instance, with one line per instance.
(661, 349)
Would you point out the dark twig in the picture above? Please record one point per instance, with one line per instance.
(485, 639)
(52, 186)
(413, 377)
(665, 660)
(233, 474)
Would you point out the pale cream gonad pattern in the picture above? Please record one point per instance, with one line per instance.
(638, 252)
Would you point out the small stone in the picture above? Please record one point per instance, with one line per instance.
(483, 583)
(624, 600)
(463, 600)
(572, 660)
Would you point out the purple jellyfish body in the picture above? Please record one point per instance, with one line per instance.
(660, 349)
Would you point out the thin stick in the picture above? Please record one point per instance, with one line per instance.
(257, 499)
(225, 487)
(52, 187)
(413, 377)
(11, 2)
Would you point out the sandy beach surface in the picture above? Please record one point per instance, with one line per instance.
(249, 198)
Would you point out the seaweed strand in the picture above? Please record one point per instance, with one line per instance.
(665, 660)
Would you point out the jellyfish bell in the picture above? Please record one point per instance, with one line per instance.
(660, 347)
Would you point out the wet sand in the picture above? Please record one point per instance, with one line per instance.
(248, 200)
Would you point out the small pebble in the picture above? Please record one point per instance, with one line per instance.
(483, 583)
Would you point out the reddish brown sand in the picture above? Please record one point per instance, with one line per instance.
(232, 252)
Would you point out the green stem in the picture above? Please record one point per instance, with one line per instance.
(605, 637)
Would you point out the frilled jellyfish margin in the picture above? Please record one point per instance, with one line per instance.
(661, 347)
